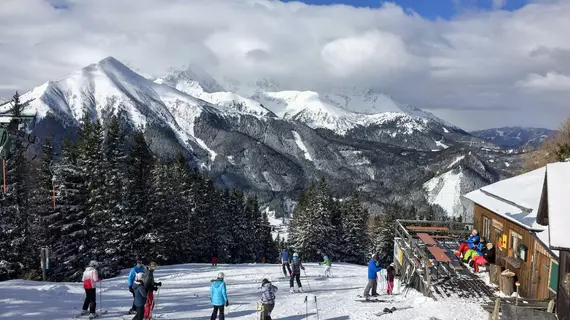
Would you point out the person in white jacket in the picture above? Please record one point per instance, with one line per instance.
(90, 279)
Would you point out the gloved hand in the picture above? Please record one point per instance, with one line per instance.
(155, 288)
(303, 268)
(227, 303)
(159, 284)
(131, 290)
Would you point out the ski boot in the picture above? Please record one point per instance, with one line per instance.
(301, 289)
(291, 290)
(84, 312)
(93, 315)
(387, 310)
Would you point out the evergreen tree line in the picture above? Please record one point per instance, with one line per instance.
(343, 229)
(106, 198)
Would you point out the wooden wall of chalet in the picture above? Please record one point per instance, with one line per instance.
(531, 285)
(563, 300)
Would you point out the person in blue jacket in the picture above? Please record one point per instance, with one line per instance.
(284, 257)
(138, 268)
(140, 296)
(373, 268)
(219, 296)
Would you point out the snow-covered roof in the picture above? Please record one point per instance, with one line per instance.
(558, 186)
(516, 199)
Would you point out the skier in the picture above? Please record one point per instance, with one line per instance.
(140, 296)
(373, 268)
(214, 260)
(327, 263)
(90, 279)
(254, 258)
(296, 274)
(267, 298)
(138, 268)
(218, 296)
(285, 261)
(150, 286)
(390, 274)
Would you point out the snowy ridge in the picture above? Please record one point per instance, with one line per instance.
(445, 191)
(201, 85)
(109, 87)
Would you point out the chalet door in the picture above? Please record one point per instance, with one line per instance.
(543, 274)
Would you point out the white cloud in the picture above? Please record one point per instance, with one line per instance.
(498, 4)
(468, 69)
(552, 81)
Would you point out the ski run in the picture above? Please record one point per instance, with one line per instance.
(185, 294)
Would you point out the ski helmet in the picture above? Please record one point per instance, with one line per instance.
(93, 264)
(295, 254)
(221, 276)
(140, 276)
(326, 257)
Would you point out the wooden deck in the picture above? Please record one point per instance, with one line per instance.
(439, 254)
(423, 229)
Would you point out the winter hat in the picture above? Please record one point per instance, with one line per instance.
(489, 246)
(392, 264)
(264, 281)
(93, 264)
(153, 265)
(221, 276)
(140, 276)
(474, 231)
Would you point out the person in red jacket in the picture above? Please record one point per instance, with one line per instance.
(90, 279)
(390, 274)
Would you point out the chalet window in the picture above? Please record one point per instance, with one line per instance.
(486, 229)
(553, 279)
(514, 245)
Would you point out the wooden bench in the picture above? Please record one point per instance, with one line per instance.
(420, 228)
(427, 239)
(439, 254)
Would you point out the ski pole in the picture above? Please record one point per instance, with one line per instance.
(101, 295)
(317, 307)
(306, 308)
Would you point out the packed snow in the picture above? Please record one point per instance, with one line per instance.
(185, 295)
(457, 160)
(301, 145)
(441, 144)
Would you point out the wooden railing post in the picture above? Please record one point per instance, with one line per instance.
(495, 314)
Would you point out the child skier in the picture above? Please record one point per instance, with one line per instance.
(140, 296)
(150, 286)
(390, 274)
(296, 274)
(285, 261)
(138, 268)
(218, 296)
(214, 260)
(90, 279)
(327, 263)
(267, 298)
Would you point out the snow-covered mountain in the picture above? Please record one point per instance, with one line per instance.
(271, 147)
(515, 137)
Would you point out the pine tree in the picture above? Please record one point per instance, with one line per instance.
(383, 232)
(138, 180)
(160, 220)
(70, 224)
(355, 235)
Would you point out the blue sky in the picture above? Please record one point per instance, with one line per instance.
(430, 9)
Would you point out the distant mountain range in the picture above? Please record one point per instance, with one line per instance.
(274, 141)
(515, 137)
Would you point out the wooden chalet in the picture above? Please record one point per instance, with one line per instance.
(554, 212)
(505, 214)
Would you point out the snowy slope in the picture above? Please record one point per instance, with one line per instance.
(197, 83)
(185, 295)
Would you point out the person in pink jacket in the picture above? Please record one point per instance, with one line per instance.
(90, 279)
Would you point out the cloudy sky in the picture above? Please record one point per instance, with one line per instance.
(476, 63)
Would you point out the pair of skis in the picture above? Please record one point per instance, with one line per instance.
(390, 310)
(307, 307)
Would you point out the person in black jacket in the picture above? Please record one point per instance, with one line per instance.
(489, 254)
(297, 266)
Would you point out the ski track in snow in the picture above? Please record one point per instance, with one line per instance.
(185, 295)
(301, 145)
